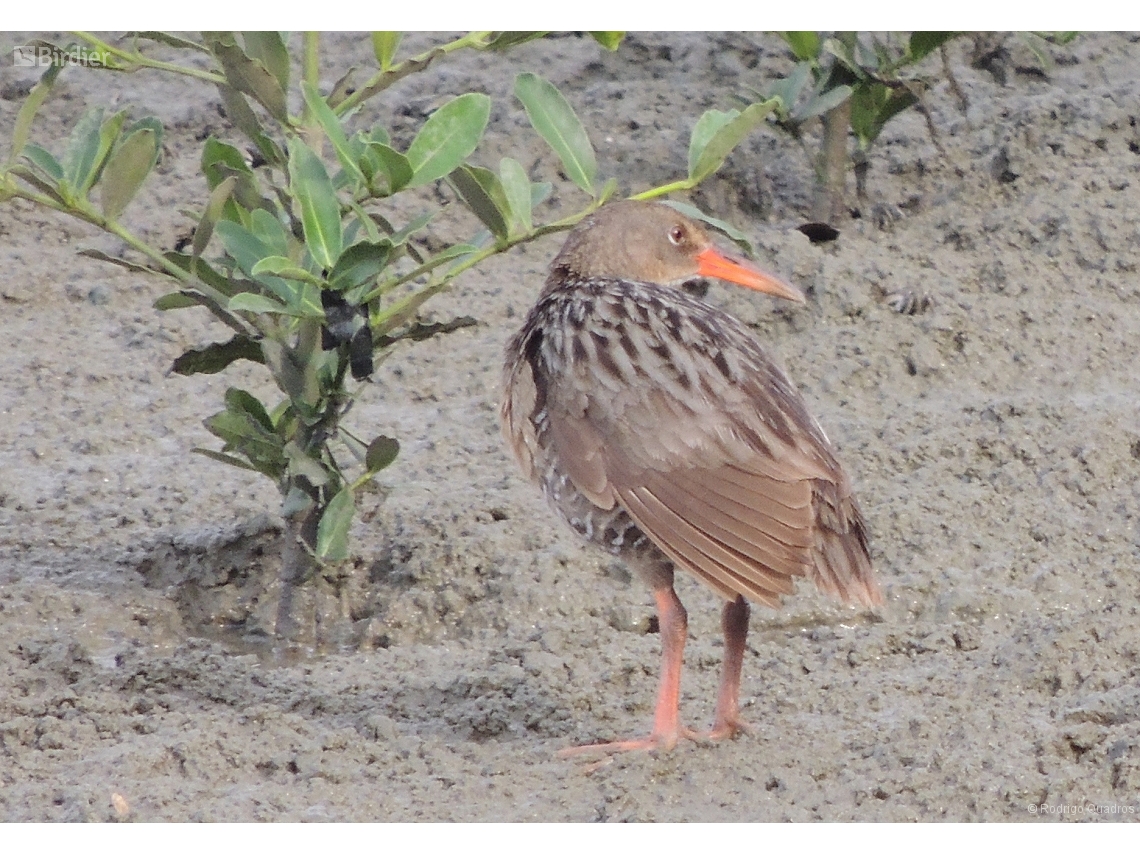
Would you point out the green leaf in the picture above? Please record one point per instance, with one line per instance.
(169, 39)
(330, 124)
(516, 187)
(213, 357)
(246, 249)
(449, 135)
(395, 166)
(267, 47)
(175, 300)
(247, 301)
(108, 134)
(203, 271)
(381, 452)
(293, 374)
(332, 530)
(277, 265)
(243, 433)
(125, 172)
(482, 192)
(241, 401)
(301, 463)
(379, 134)
(456, 250)
(248, 75)
(363, 221)
(241, 426)
(360, 263)
(28, 109)
(224, 458)
(119, 262)
(320, 211)
(242, 245)
(504, 40)
(923, 43)
(342, 88)
(205, 228)
(873, 106)
(867, 58)
(609, 40)
(556, 122)
(384, 45)
(211, 291)
(844, 55)
(716, 134)
(367, 161)
(788, 89)
(147, 123)
(238, 111)
(31, 176)
(731, 232)
(805, 45)
(402, 234)
(216, 152)
(82, 147)
(539, 192)
(201, 296)
(268, 229)
(703, 131)
(820, 104)
(301, 298)
(246, 196)
(44, 161)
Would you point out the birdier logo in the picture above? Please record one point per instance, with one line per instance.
(31, 56)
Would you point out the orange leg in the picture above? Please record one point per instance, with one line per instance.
(734, 621)
(674, 624)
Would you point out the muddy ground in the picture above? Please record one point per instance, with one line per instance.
(992, 435)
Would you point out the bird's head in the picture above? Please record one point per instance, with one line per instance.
(651, 242)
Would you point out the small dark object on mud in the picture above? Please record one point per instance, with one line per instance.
(910, 302)
(819, 232)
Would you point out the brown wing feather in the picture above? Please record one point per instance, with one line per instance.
(687, 547)
(738, 527)
(842, 558)
(520, 397)
(582, 457)
(705, 443)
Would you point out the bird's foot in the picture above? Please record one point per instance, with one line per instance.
(654, 742)
(728, 729)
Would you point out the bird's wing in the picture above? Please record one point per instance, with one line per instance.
(712, 452)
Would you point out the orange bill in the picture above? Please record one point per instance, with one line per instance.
(732, 268)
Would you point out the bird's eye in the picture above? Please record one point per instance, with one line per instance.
(676, 235)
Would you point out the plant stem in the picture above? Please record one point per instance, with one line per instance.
(84, 211)
(383, 79)
(87, 213)
(413, 301)
(144, 61)
(311, 70)
(297, 565)
(665, 189)
(832, 171)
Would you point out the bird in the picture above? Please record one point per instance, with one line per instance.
(660, 430)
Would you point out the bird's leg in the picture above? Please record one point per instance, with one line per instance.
(674, 626)
(673, 622)
(734, 621)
